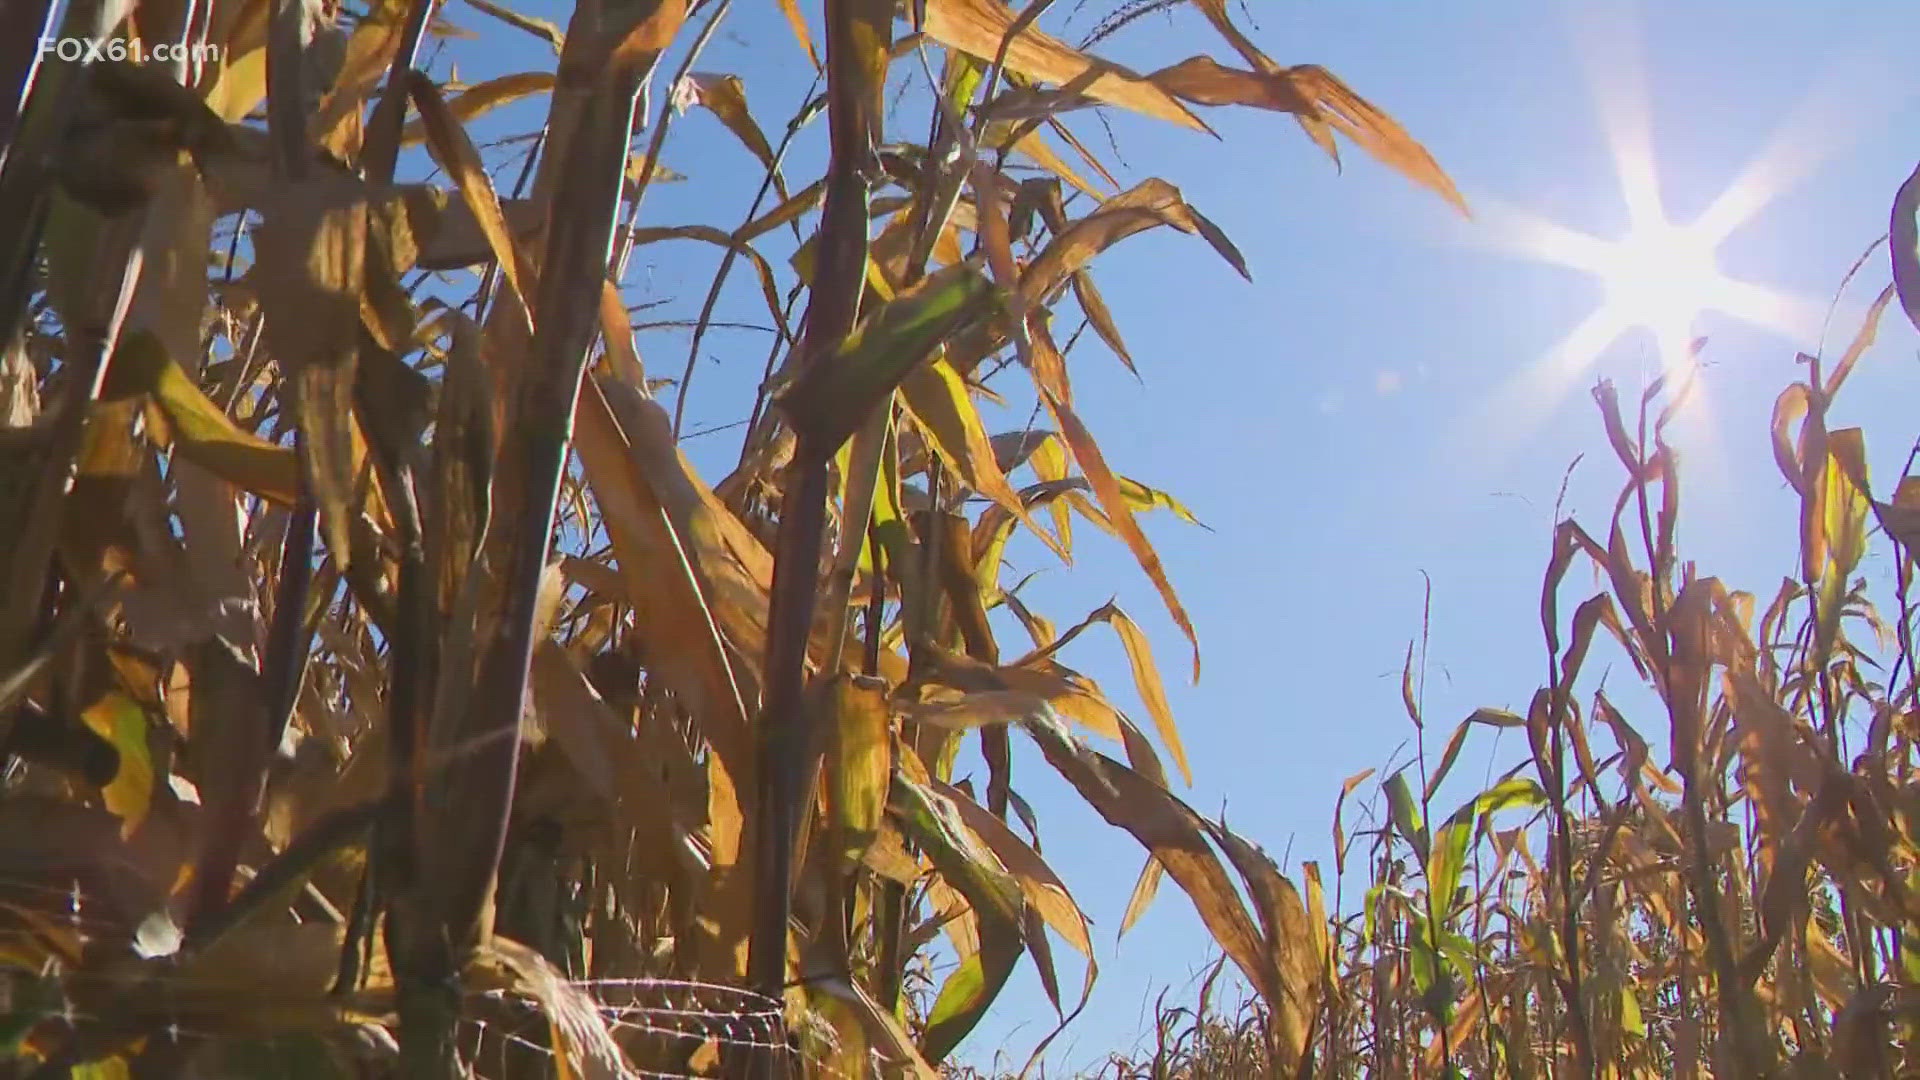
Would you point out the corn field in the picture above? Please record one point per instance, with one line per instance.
(383, 692)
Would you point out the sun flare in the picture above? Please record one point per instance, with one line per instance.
(1661, 278)
(1657, 277)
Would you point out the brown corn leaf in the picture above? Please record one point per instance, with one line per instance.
(1146, 680)
(369, 54)
(725, 96)
(626, 449)
(543, 29)
(1339, 826)
(1094, 307)
(1151, 202)
(790, 209)
(463, 447)
(1036, 149)
(481, 98)
(1903, 242)
(455, 152)
(1113, 501)
(1901, 517)
(981, 708)
(734, 566)
(798, 23)
(1862, 341)
(641, 32)
(1320, 101)
(979, 28)
(1294, 950)
(957, 579)
(1041, 886)
(685, 584)
(971, 693)
(643, 782)
(1176, 836)
(456, 240)
(769, 290)
(311, 249)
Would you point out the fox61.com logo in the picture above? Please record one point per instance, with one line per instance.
(78, 50)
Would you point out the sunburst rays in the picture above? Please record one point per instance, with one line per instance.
(1658, 277)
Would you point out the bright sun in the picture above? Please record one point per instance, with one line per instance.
(1657, 276)
(1661, 278)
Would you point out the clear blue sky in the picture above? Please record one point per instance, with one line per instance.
(1330, 420)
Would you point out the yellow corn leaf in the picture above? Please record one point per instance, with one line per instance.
(197, 429)
(1846, 501)
(1144, 889)
(994, 895)
(121, 721)
(862, 761)
(885, 1032)
(240, 87)
(1146, 679)
(936, 396)
(1141, 497)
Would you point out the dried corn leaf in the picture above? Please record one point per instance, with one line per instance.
(1151, 202)
(311, 269)
(483, 97)
(1113, 500)
(937, 398)
(980, 27)
(1903, 242)
(1038, 883)
(584, 1046)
